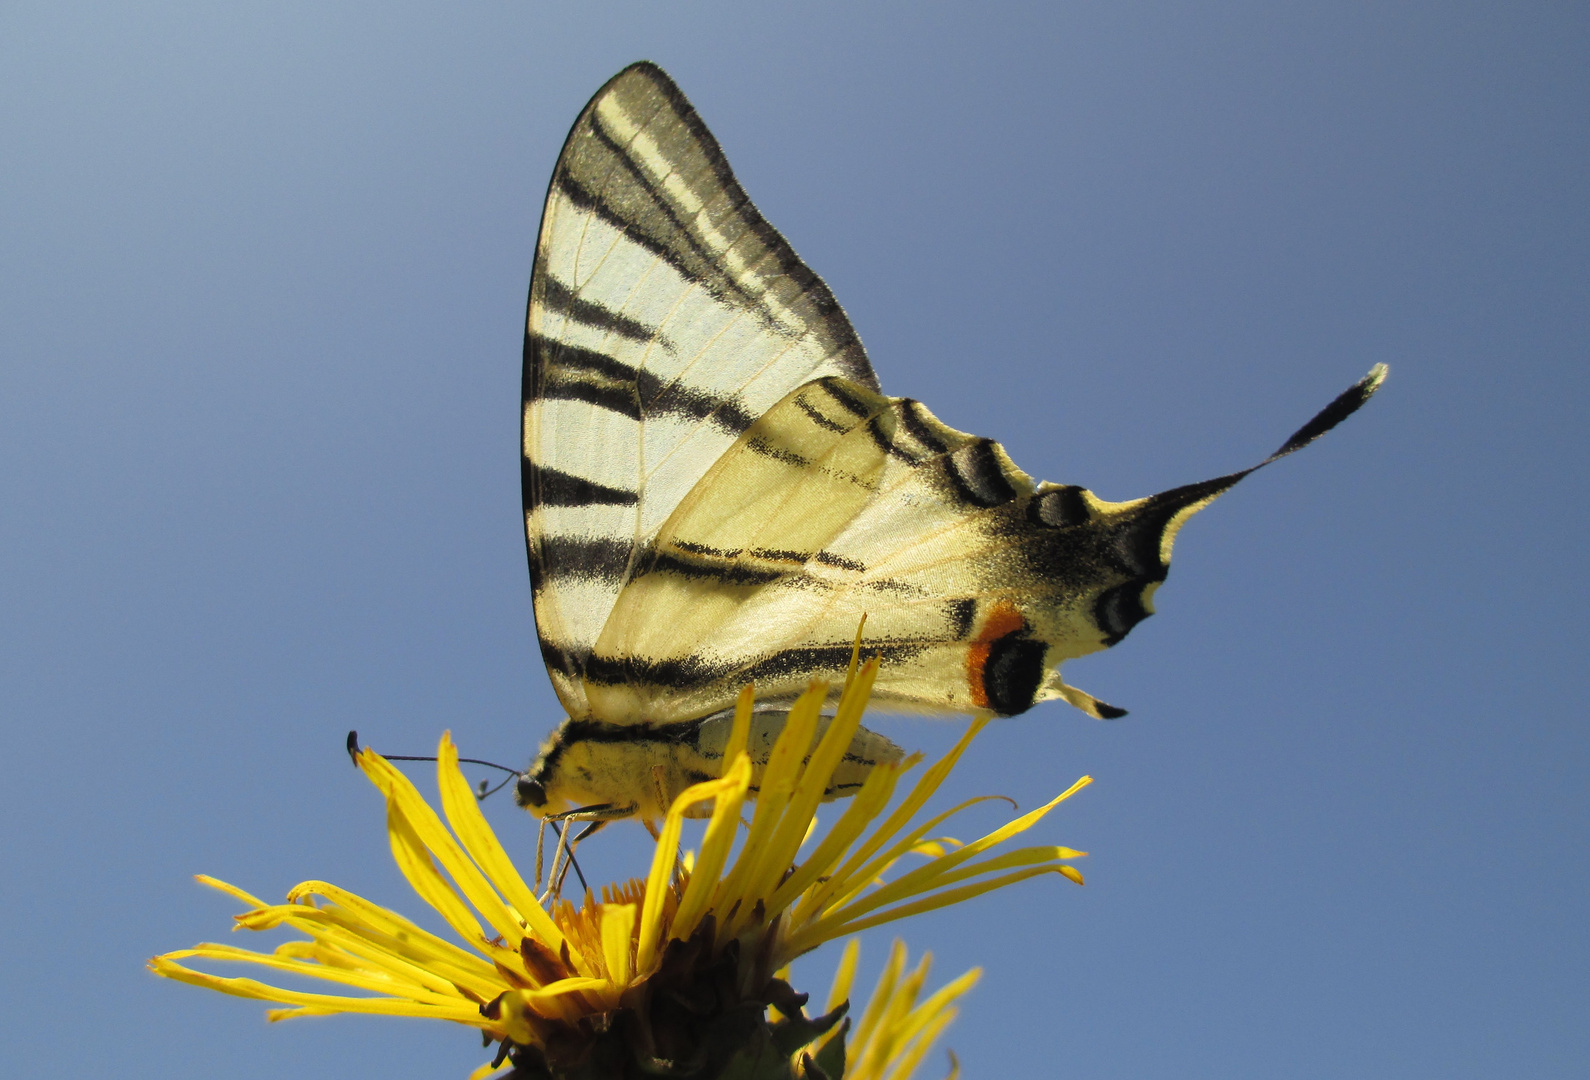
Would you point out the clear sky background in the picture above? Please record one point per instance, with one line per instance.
(262, 278)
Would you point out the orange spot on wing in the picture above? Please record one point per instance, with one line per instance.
(1003, 619)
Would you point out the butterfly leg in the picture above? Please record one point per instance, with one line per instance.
(591, 828)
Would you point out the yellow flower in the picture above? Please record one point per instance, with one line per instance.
(894, 1033)
(676, 971)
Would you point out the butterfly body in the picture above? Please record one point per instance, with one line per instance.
(600, 770)
(716, 490)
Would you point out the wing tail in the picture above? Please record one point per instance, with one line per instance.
(1147, 528)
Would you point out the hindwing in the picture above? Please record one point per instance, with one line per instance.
(839, 503)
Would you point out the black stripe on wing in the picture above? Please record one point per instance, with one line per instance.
(695, 672)
(601, 174)
(559, 299)
(581, 558)
(573, 373)
(843, 341)
(550, 487)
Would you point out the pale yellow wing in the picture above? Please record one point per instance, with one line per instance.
(665, 316)
(977, 583)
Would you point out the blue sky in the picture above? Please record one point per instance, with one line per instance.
(262, 277)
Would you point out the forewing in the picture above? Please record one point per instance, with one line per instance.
(665, 316)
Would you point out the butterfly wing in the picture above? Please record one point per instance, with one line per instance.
(977, 583)
(665, 316)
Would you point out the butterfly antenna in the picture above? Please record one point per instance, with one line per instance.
(513, 774)
(353, 752)
(485, 794)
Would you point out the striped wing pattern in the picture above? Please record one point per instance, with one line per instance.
(839, 502)
(665, 316)
(716, 491)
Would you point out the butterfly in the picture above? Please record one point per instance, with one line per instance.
(716, 490)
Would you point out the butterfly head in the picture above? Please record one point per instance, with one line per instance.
(589, 770)
(530, 793)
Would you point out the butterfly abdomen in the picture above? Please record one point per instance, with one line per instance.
(638, 770)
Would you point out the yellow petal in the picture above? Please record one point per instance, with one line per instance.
(419, 988)
(911, 1052)
(779, 777)
(844, 975)
(811, 784)
(938, 1003)
(662, 867)
(841, 879)
(618, 924)
(410, 853)
(865, 805)
(428, 828)
(464, 1012)
(463, 814)
(882, 993)
(716, 844)
(815, 933)
(942, 872)
(740, 729)
(865, 876)
(358, 915)
(231, 890)
(925, 876)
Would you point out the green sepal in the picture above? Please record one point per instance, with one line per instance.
(829, 1061)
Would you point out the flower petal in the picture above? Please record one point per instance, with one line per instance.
(618, 927)
(812, 784)
(841, 879)
(480, 842)
(716, 844)
(428, 828)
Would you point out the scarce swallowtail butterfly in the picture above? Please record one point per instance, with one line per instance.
(716, 490)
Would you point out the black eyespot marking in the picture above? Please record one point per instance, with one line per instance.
(1013, 672)
(1138, 546)
(1120, 609)
(1060, 508)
